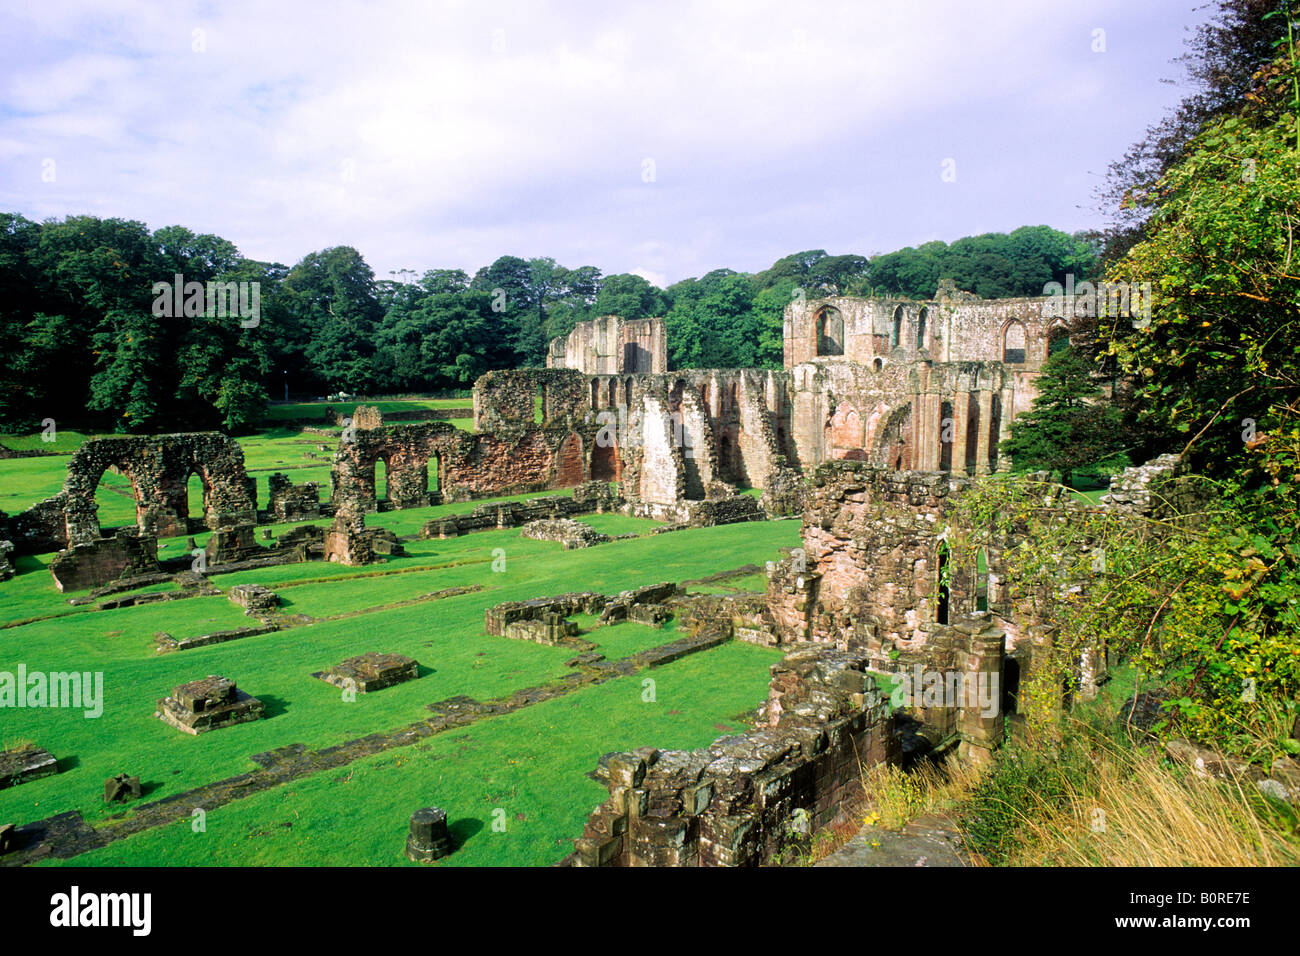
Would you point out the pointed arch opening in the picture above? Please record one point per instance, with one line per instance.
(943, 566)
(1013, 343)
(830, 331)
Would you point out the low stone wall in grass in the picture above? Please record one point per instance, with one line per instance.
(591, 497)
(571, 534)
(644, 605)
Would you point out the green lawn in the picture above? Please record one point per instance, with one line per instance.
(530, 764)
(514, 787)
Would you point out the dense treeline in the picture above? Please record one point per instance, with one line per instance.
(85, 342)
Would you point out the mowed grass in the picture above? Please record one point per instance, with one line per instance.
(354, 613)
(514, 787)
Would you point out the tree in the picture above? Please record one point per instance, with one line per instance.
(332, 294)
(1223, 56)
(630, 296)
(1218, 358)
(1068, 427)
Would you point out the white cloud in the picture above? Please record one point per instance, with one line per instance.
(448, 135)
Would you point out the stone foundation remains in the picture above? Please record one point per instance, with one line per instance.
(370, 672)
(26, 764)
(571, 534)
(740, 801)
(208, 704)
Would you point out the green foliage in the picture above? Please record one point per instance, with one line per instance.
(1218, 368)
(1068, 428)
(1207, 611)
(1218, 360)
(994, 265)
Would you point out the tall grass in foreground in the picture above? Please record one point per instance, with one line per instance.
(1099, 798)
(1106, 802)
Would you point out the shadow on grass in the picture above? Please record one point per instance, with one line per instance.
(462, 830)
(273, 706)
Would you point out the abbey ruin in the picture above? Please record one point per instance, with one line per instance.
(884, 414)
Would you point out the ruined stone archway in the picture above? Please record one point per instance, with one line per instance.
(846, 435)
(830, 331)
(1014, 342)
(605, 462)
(569, 469)
(894, 445)
(158, 468)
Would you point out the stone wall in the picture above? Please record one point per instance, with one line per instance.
(870, 566)
(418, 458)
(876, 572)
(588, 498)
(505, 401)
(41, 528)
(740, 801)
(611, 344)
(89, 564)
(915, 385)
(571, 534)
(290, 502)
(158, 467)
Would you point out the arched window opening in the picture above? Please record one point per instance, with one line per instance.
(1013, 344)
(1010, 684)
(1058, 339)
(981, 580)
(941, 611)
(830, 331)
(995, 431)
(947, 435)
(920, 328)
(971, 452)
(539, 405)
(195, 499)
(115, 501)
(896, 334)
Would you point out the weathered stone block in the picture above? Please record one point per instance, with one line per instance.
(371, 671)
(254, 597)
(121, 788)
(429, 838)
(208, 704)
(25, 765)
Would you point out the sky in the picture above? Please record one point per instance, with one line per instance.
(666, 139)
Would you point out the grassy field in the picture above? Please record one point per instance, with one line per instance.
(524, 771)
